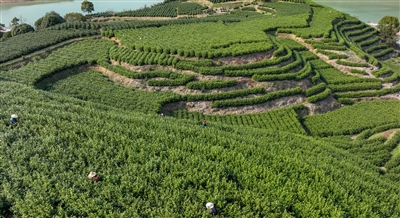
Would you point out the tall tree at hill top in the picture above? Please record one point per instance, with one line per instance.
(388, 27)
(87, 6)
(15, 22)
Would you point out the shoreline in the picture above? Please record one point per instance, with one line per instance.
(21, 1)
(14, 1)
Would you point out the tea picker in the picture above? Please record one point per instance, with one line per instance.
(93, 177)
(204, 123)
(13, 120)
(210, 206)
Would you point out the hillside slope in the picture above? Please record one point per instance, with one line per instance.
(263, 74)
(151, 166)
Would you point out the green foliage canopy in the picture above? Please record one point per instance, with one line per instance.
(50, 19)
(70, 17)
(388, 27)
(87, 6)
(14, 22)
(21, 29)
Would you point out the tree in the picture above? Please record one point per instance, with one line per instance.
(14, 22)
(50, 19)
(21, 29)
(388, 27)
(70, 17)
(87, 6)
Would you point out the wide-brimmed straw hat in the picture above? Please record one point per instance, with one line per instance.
(209, 205)
(92, 175)
(14, 116)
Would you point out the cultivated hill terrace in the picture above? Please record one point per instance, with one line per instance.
(301, 103)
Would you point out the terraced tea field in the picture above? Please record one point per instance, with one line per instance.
(301, 103)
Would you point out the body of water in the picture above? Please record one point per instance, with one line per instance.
(365, 10)
(33, 10)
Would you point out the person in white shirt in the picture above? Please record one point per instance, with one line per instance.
(211, 208)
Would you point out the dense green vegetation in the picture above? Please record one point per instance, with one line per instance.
(282, 9)
(164, 9)
(62, 59)
(352, 64)
(365, 37)
(105, 91)
(288, 134)
(206, 40)
(151, 168)
(334, 76)
(320, 25)
(17, 46)
(341, 122)
(215, 84)
(332, 55)
(225, 95)
(256, 100)
(283, 120)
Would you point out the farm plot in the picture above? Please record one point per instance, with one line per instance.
(201, 40)
(24, 44)
(73, 55)
(352, 120)
(283, 119)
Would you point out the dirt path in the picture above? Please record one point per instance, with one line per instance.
(394, 96)
(388, 134)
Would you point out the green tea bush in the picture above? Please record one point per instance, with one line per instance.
(214, 84)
